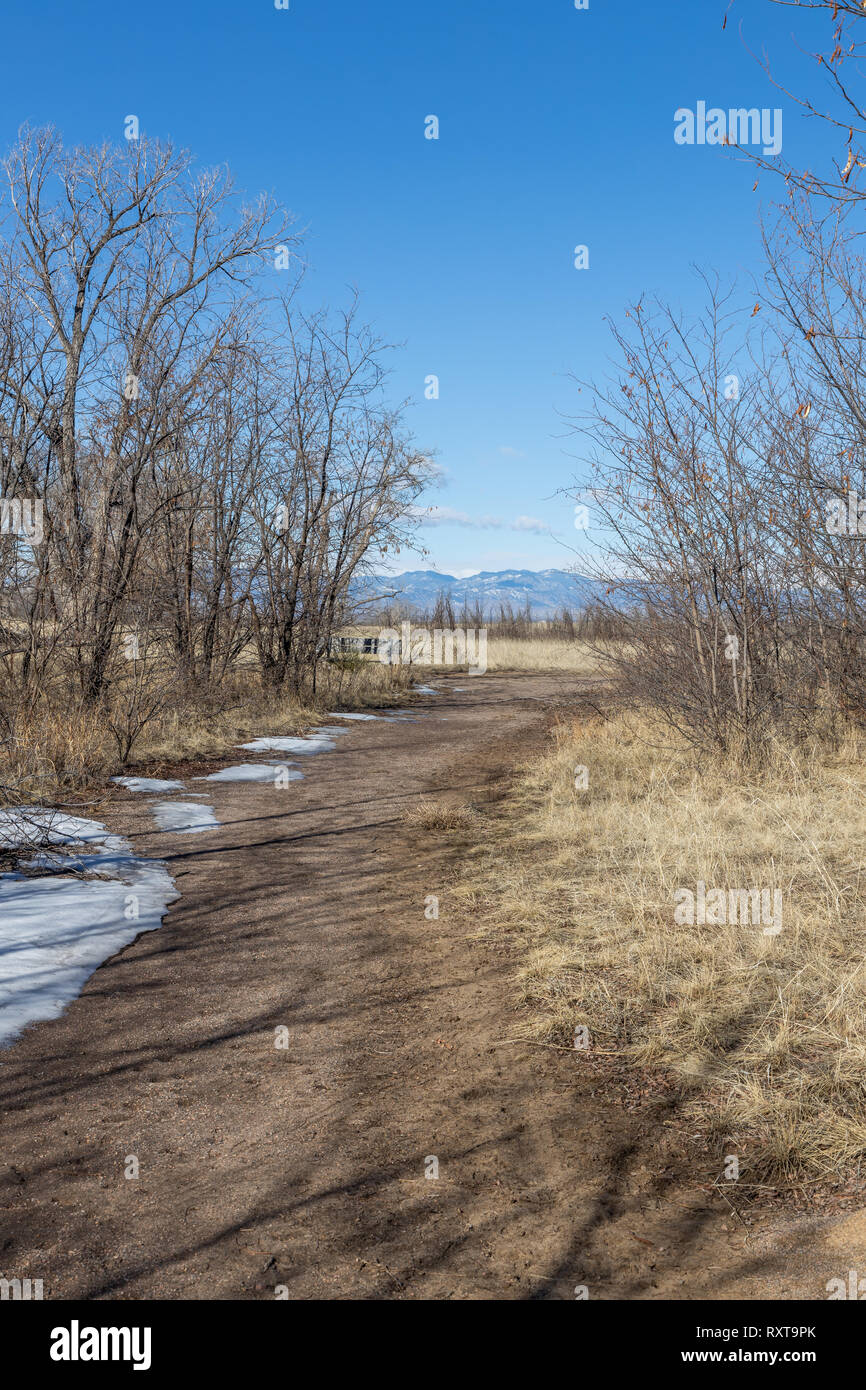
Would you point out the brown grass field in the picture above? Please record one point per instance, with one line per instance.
(766, 1033)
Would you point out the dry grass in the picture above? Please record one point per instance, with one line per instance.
(538, 653)
(437, 815)
(766, 1032)
(61, 750)
(541, 654)
(52, 751)
(246, 711)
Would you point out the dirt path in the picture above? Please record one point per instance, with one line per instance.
(304, 1167)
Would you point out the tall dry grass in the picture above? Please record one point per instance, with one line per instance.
(767, 1033)
(542, 654)
(57, 749)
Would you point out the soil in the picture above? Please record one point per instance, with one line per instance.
(302, 1170)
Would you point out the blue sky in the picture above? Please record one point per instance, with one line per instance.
(556, 129)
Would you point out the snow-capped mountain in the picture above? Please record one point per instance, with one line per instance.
(547, 591)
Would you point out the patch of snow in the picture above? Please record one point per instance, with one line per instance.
(425, 690)
(31, 825)
(253, 772)
(148, 784)
(335, 714)
(54, 860)
(184, 817)
(54, 932)
(313, 743)
(396, 716)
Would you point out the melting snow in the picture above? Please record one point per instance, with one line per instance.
(148, 784)
(339, 714)
(184, 817)
(254, 772)
(54, 932)
(38, 825)
(319, 742)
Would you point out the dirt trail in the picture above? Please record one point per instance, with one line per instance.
(305, 1167)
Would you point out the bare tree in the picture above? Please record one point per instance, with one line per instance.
(216, 467)
(341, 486)
(131, 267)
(840, 107)
(693, 567)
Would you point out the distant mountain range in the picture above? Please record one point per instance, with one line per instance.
(547, 591)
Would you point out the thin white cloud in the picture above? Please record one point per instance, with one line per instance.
(450, 516)
(531, 523)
